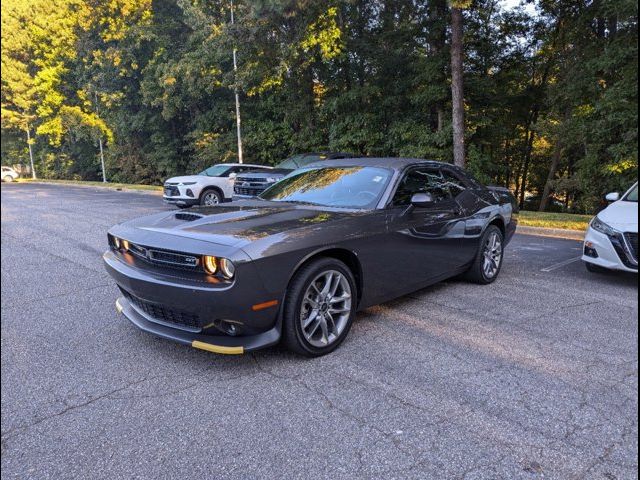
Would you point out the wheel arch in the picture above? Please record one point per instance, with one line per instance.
(498, 222)
(346, 256)
(211, 187)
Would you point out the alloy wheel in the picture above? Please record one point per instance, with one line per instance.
(492, 255)
(325, 309)
(210, 199)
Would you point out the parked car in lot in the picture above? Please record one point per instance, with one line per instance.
(298, 262)
(9, 174)
(252, 184)
(611, 241)
(209, 187)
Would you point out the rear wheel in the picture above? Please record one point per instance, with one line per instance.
(319, 307)
(488, 262)
(210, 197)
(7, 178)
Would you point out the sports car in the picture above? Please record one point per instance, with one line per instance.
(297, 263)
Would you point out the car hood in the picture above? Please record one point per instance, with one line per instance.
(621, 215)
(185, 179)
(236, 225)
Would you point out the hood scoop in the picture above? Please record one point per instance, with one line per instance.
(188, 217)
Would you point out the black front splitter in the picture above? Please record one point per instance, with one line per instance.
(212, 343)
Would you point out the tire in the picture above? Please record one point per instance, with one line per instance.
(210, 198)
(479, 272)
(7, 178)
(329, 327)
(594, 268)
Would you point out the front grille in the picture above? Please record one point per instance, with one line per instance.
(251, 179)
(253, 192)
(170, 191)
(632, 242)
(626, 252)
(164, 257)
(165, 314)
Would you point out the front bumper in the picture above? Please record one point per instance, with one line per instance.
(194, 312)
(183, 202)
(212, 343)
(612, 257)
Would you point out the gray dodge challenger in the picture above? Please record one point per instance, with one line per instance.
(297, 263)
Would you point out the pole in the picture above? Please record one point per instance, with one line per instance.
(235, 90)
(104, 174)
(33, 169)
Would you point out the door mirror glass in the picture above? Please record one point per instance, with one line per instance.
(612, 197)
(422, 199)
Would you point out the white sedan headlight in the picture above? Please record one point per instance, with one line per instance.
(599, 226)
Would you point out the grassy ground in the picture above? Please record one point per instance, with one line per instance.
(567, 221)
(117, 186)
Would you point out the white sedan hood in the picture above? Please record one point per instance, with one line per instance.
(621, 215)
(185, 179)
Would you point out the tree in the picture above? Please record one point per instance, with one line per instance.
(457, 89)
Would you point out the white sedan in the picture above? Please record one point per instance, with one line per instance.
(9, 174)
(611, 242)
(209, 187)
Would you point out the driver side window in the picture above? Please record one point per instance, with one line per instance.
(440, 184)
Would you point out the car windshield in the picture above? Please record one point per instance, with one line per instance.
(342, 187)
(298, 161)
(215, 171)
(632, 196)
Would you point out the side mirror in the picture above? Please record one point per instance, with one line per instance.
(612, 197)
(421, 200)
(233, 175)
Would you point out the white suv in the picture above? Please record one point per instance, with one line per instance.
(611, 241)
(9, 174)
(209, 187)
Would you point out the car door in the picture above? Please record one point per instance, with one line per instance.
(424, 243)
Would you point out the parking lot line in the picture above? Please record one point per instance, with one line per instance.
(560, 265)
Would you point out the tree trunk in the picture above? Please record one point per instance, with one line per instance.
(457, 96)
(555, 161)
(33, 168)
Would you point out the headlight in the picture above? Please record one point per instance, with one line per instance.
(227, 268)
(119, 244)
(215, 265)
(210, 264)
(271, 180)
(188, 183)
(599, 226)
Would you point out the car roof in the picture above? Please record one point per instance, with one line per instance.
(396, 163)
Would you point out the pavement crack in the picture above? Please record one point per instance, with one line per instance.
(13, 432)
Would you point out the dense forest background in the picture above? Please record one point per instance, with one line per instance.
(550, 87)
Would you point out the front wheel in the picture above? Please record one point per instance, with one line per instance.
(8, 179)
(319, 307)
(210, 198)
(488, 262)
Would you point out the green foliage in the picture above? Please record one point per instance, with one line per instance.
(155, 81)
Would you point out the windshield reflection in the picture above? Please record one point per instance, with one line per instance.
(341, 187)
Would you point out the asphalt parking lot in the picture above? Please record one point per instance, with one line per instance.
(534, 376)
